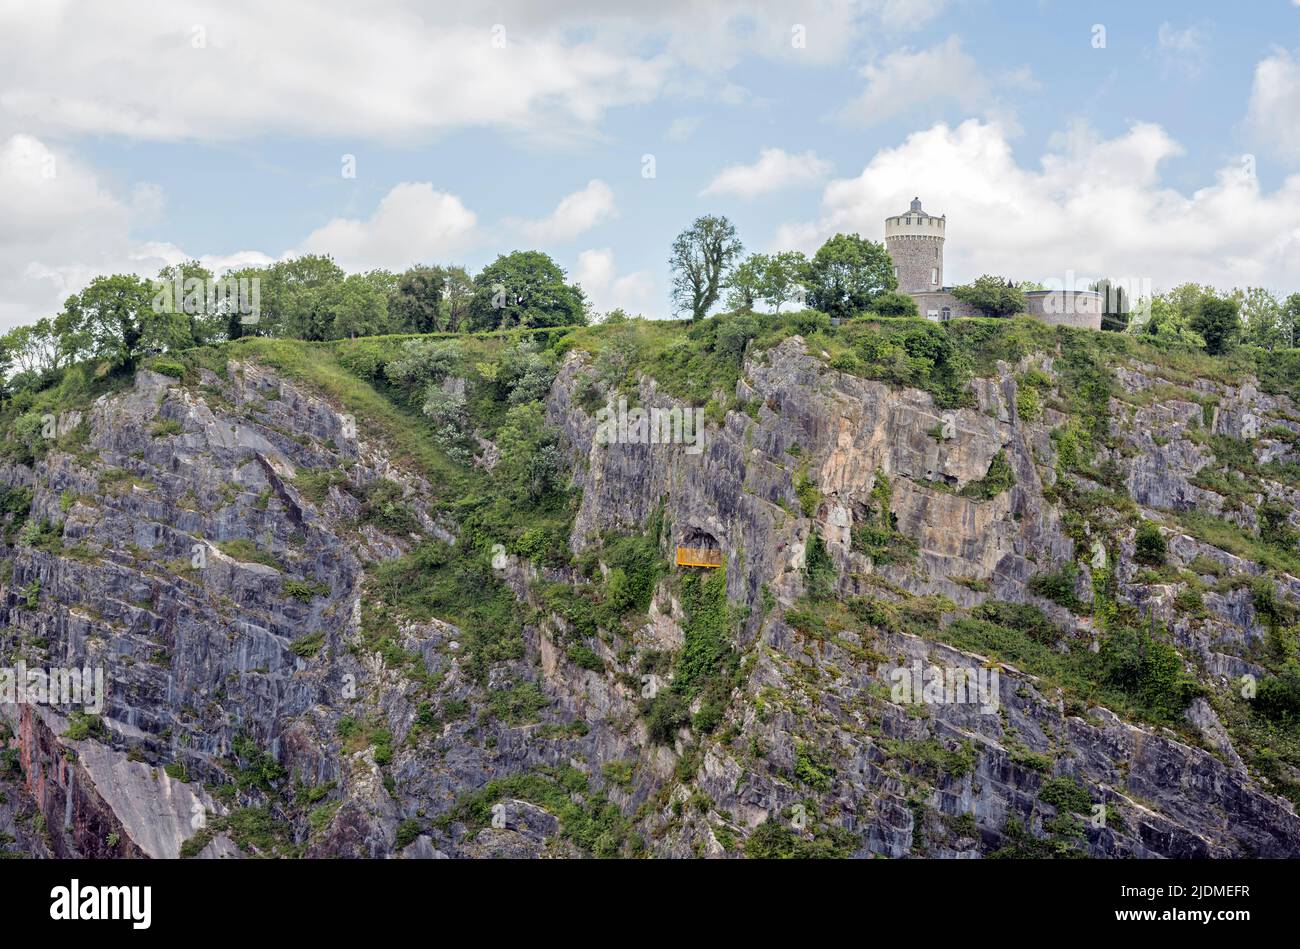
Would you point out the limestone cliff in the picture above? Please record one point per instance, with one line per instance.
(217, 546)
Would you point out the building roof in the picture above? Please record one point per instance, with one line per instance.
(917, 209)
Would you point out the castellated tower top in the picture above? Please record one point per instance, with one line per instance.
(915, 222)
(914, 240)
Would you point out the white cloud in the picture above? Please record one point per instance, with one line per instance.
(413, 223)
(1274, 108)
(683, 127)
(576, 214)
(1179, 41)
(1092, 205)
(774, 170)
(385, 69)
(908, 14)
(1182, 50)
(633, 292)
(62, 227)
(906, 81)
(201, 70)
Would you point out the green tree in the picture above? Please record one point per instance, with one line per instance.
(847, 274)
(240, 319)
(295, 293)
(355, 306)
(458, 290)
(1114, 306)
(992, 296)
(745, 282)
(416, 305)
(700, 260)
(1291, 319)
(776, 279)
(31, 353)
(531, 464)
(189, 288)
(1169, 316)
(1216, 320)
(895, 303)
(114, 319)
(782, 280)
(1263, 319)
(423, 361)
(525, 288)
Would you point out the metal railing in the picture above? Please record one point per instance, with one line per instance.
(699, 557)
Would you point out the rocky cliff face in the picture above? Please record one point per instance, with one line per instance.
(210, 546)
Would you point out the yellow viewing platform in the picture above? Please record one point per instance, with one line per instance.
(699, 557)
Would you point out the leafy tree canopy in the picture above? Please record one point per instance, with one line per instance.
(847, 274)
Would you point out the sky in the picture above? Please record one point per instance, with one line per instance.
(1064, 139)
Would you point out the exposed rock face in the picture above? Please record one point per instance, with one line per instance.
(220, 583)
(743, 490)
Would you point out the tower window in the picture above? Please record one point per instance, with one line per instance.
(934, 275)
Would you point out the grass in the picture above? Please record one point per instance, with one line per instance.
(1134, 674)
(403, 430)
(246, 551)
(1219, 533)
(589, 820)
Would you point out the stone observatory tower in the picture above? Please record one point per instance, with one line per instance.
(914, 240)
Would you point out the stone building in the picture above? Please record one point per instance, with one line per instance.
(915, 242)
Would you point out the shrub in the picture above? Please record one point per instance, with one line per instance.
(819, 569)
(877, 534)
(407, 832)
(82, 726)
(308, 645)
(809, 497)
(168, 367)
(895, 303)
(667, 714)
(303, 590)
(1150, 544)
(245, 551)
(385, 508)
(707, 631)
(992, 296)
(1058, 585)
(813, 767)
(1274, 527)
(519, 705)
(1000, 477)
(734, 334)
(1278, 697)
(1065, 793)
(1023, 617)
(1148, 670)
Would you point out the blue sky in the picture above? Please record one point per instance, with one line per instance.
(143, 133)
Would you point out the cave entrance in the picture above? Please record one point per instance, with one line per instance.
(699, 549)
